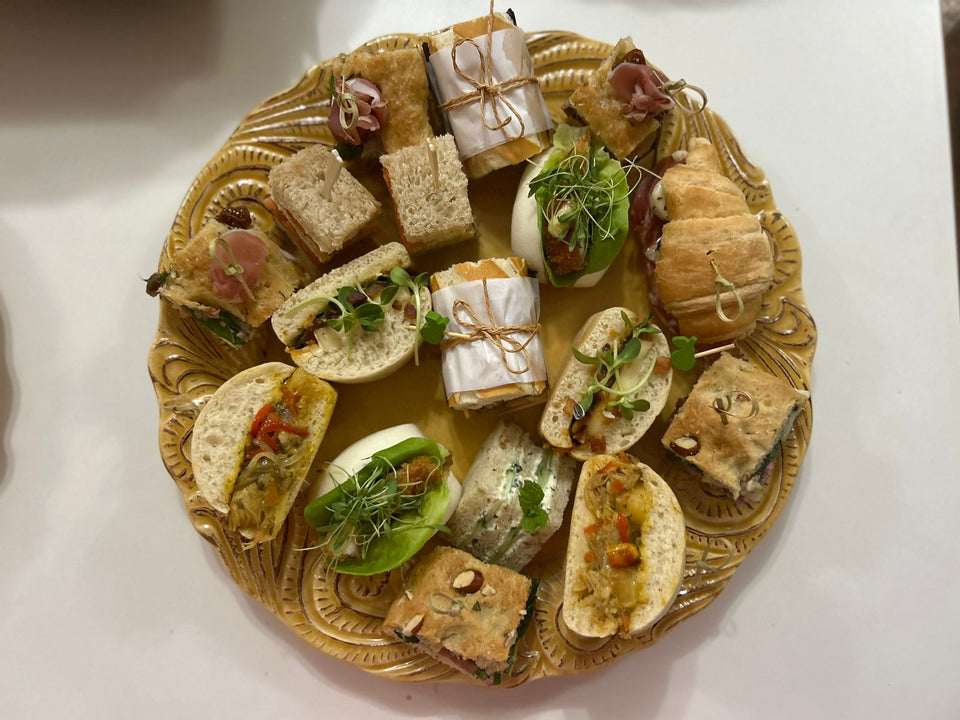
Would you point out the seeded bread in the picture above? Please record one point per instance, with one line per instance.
(364, 356)
(732, 445)
(599, 599)
(319, 225)
(432, 208)
(487, 523)
(597, 105)
(461, 611)
(615, 434)
(401, 76)
(189, 284)
(219, 443)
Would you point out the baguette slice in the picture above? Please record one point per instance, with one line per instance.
(221, 440)
(733, 445)
(599, 598)
(372, 355)
(321, 226)
(487, 523)
(463, 612)
(430, 200)
(597, 433)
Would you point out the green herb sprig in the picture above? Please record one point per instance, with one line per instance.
(606, 375)
(535, 517)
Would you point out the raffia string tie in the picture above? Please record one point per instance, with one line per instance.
(489, 94)
(500, 336)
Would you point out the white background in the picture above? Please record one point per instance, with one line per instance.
(111, 606)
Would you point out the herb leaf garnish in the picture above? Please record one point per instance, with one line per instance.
(534, 517)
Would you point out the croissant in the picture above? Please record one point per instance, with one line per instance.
(715, 261)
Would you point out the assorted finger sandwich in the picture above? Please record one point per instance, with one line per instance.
(354, 297)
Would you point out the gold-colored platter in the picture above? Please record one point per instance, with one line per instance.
(340, 615)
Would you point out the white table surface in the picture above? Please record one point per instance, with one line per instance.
(111, 606)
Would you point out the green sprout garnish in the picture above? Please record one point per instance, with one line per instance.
(684, 357)
(372, 507)
(606, 379)
(402, 279)
(534, 516)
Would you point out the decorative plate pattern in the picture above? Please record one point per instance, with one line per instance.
(341, 615)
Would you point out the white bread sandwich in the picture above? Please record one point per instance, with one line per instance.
(625, 556)
(319, 203)
(464, 613)
(571, 213)
(731, 425)
(707, 259)
(357, 323)
(429, 192)
(229, 277)
(492, 353)
(611, 388)
(255, 440)
(381, 500)
(622, 101)
(513, 498)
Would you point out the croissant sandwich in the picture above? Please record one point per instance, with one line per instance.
(707, 259)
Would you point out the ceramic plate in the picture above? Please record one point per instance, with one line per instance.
(341, 615)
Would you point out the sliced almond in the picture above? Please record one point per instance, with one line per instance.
(469, 581)
(685, 446)
(413, 625)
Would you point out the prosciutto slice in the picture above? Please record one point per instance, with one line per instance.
(639, 87)
(237, 248)
(371, 111)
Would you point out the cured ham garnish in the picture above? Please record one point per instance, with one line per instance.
(236, 259)
(358, 110)
(639, 86)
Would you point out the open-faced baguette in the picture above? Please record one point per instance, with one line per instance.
(625, 555)
(712, 252)
(601, 429)
(254, 442)
(357, 355)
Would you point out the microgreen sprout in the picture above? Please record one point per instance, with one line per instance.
(608, 364)
(402, 279)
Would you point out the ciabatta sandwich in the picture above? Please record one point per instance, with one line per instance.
(625, 556)
(464, 613)
(611, 388)
(513, 498)
(355, 324)
(255, 440)
(732, 424)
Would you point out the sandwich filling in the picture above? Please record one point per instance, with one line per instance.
(622, 367)
(378, 517)
(274, 449)
(611, 581)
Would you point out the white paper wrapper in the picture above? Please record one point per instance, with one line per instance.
(478, 365)
(508, 59)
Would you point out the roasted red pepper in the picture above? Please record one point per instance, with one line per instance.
(623, 527)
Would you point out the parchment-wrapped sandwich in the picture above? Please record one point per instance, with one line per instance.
(492, 353)
(508, 121)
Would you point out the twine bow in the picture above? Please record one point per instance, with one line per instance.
(500, 336)
(488, 93)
